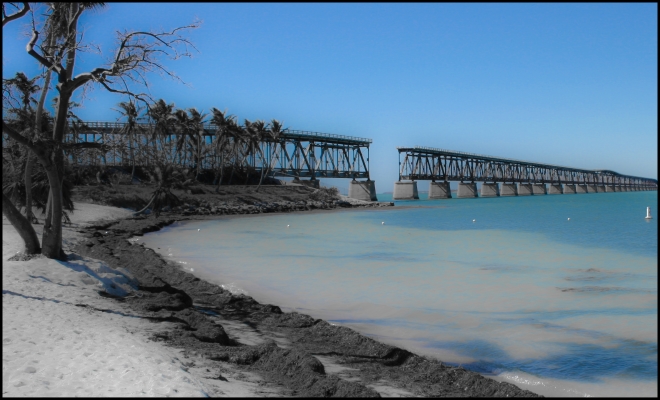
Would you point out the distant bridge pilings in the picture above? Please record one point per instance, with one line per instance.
(515, 177)
(295, 153)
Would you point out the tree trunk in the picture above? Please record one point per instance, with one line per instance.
(22, 226)
(27, 180)
(51, 240)
(29, 166)
(132, 155)
(263, 167)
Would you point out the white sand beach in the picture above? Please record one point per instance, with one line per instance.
(57, 343)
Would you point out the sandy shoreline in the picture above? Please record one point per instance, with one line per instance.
(193, 338)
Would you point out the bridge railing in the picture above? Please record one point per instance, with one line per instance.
(211, 129)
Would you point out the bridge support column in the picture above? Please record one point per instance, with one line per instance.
(439, 190)
(592, 188)
(610, 188)
(556, 188)
(362, 190)
(509, 189)
(600, 188)
(569, 189)
(467, 190)
(525, 189)
(405, 191)
(539, 188)
(581, 189)
(490, 190)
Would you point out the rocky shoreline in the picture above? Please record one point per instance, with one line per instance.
(299, 355)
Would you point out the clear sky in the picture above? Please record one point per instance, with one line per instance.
(566, 84)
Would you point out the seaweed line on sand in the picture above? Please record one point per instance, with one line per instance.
(301, 355)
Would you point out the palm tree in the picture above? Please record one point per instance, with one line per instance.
(236, 135)
(261, 135)
(273, 134)
(182, 125)
(196, 133)
(129, 111)
(223, 126)
(161, 115)
(250, 139)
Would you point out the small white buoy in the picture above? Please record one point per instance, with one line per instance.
(287, 226)
(382, 223)
(474, 220)
(197, 230)
(648, 213)
(569, 219)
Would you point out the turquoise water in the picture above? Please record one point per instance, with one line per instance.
(509, 287)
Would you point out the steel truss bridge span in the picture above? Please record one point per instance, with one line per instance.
(295, 153)
(427, 163)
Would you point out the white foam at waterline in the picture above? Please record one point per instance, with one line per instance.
(234, 289)
(565, 388)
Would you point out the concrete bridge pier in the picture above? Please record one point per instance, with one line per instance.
(490, 189)
(610, 188)
(439, 190)
(509, 189)
(539, 188)
(569, 189)
(593, 188)
(556, 188)
(581, 189)
(525, 189)
(467, 190)
(362, 190)
(405, 191)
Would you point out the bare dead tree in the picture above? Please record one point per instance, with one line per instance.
(138, 54)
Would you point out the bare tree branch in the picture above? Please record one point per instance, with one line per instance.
(8, 18)
(43, 60)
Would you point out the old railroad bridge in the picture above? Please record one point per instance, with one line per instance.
(516, 177)
(313, 155)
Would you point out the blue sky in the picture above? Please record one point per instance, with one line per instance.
(567, 84)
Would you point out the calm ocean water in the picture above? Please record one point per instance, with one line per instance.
(508, 287)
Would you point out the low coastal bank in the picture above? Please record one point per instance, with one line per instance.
(292, 353)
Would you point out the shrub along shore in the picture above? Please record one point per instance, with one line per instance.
(301, 355)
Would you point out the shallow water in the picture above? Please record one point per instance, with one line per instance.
(509, 287)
